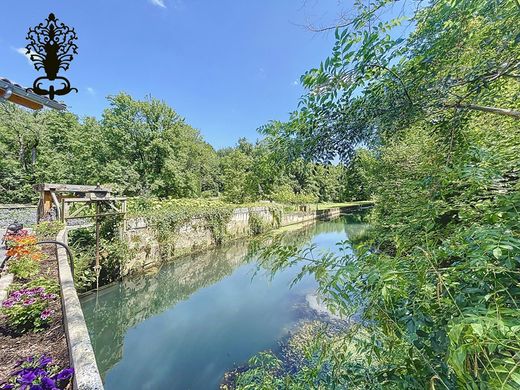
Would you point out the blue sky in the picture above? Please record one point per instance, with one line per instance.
(227, 66)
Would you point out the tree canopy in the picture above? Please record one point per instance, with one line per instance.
(430, 124)
(144, 148)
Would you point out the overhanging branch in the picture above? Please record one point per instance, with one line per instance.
(493, 110)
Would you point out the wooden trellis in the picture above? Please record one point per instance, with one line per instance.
(57, 200)
(73, 203)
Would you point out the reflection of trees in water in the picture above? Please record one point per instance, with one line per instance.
(115, 310)
(125, 305)
(356, 226)
(353, 224)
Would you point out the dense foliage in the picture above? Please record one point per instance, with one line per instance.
(113, 252)
(145, 148)
(437, 280)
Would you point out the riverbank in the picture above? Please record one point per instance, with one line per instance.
(167, 234)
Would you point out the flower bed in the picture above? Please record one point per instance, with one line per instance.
(38, 373)
(34, 348)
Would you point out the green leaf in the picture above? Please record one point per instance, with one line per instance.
(477, 328)
(516, 377)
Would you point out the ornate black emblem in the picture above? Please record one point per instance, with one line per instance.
(51, 45)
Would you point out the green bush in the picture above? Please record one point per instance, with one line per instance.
(113, 253)
(84, 275)
(24, 267)
(48, 230)
(257, 224)
(287, 195)
(165, 216)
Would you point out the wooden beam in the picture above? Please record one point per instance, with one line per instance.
(87, 200)
(76, 212)
(26, 97)
(25, 102)
(68, 188)
(96, 215)
(58, 206)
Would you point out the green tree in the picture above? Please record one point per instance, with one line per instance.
(436, 279)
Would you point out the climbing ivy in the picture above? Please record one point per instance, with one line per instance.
(257, 224)
(165, 217)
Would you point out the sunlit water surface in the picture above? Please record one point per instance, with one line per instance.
(202, 315)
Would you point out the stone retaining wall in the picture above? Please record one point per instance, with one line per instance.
(83, 360)
(196, 234)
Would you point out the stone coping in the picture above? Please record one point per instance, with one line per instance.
(5, 282)
(82, 358)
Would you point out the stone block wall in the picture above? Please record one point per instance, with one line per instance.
(196, 235)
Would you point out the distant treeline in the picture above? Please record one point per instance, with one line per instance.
(145, 148)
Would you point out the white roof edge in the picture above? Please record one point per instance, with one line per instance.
(20, 91)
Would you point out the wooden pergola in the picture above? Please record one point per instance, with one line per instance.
(71, 202)
(56, 201)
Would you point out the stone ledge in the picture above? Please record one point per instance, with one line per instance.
(83, 360)
(5, 282)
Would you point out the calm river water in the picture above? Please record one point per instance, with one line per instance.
(202, 315)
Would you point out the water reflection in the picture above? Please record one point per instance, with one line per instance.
(184, 326)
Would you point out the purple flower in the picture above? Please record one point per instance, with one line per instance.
(27, 378)
(48, 383)
(64, 374)
(45, 360)
(16, 295)
(33, 374)
(29, 302)
(46, 314)
(8, 303)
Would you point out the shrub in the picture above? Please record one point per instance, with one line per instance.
(257, 224)
(84, 275)
(49, 229)
(28, 309)
(113, 253)
(286, 195)
(24, 267)
(38, 372)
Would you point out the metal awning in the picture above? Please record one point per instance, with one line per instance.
(26, 97)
